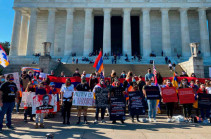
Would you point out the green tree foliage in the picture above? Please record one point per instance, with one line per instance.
(6, 46)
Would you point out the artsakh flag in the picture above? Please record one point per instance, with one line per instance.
(99, 63)
(3, 57)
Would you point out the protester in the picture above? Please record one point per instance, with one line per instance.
(169, 105)
(113, 76)
(2, 79)
(54, 91)
(40, 91)
(93, 81)
(197, 83)
(193, 75)
(77, 74)
(83, 74)
(195, 89)
(28, 109)
(208, 87)
(99, 85)
(184, 74)
(170, 66)
(62, 74)
(135, 88)
(129, 77)
(52, 73)
(140, 82)
(151, 103)
(187, 108)
(8, 95)
(83, 86)
(117, 91)
(173, 66)
(149, 75)
(159, 78)
(66, 100)
(123, 75)
(202, 90)
(30, 73)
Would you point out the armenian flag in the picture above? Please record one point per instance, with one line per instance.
(3, 57)
(175, 81)
(99, 63)
(30, 68)
(155, 74)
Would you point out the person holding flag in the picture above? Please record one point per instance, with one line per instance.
(99, 64)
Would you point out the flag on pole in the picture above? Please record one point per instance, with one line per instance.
(3, 57)
(99, 63)
(175, 81)
(155, 74)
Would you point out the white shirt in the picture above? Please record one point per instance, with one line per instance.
(208, 90)
(67, 91)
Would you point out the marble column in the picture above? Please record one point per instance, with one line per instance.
(146, 32)
(204, 35)
(32, 32)
(23, 34)
(185, 33)
(166, 42)
(127, 45)
(107, 31)
(51, 29)
(16, 33)
(69, 33)
(88, 33)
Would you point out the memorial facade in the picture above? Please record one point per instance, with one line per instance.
(123, 27)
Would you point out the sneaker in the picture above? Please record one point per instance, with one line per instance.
(150, 120)
(42, 125)
(103, 121)
(95, 122)
(11, 127)
(172, 120)
(36, 126)
(205, 121)
(154, 121)
(168, 120)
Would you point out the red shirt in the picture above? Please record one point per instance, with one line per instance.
(200, 91)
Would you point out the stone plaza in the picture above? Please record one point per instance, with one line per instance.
(132, 27)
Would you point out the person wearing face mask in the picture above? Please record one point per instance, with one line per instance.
(117, 91)
(203, 90)
(93, 81)
(30, 75)
(187, 108)
(123, 75)
(54, 91)
(129, 77)
(28, 109)
(2, 79)
(169, 105)
(8, 96)
(40, 90)
(140, 82)
(99, 85)
(66, 100)
(195, 89)
(149, 75)
(208, 87)
(77, 74)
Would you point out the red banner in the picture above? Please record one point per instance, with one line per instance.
(169, 94)
(186, 95)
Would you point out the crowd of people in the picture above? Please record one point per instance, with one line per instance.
(10, 96)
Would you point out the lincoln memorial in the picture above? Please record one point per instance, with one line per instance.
(132, 27)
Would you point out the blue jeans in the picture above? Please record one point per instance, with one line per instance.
(152, 108)
(203, 110)
(6, 109)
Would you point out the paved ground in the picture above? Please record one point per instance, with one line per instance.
(159, 130)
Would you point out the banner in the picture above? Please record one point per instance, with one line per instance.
(101, 95)
(16, 79)
(169, 94)
(44, 104)
(204, 100)
(27, 99)
(136, 103)
(186, 95)
(117, 108)
(152, 92)
(82, 98)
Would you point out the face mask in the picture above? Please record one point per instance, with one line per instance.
(168, 83)
(30, 74)
(134, 80)
(183, 83)
(3, 80)
(11, 79)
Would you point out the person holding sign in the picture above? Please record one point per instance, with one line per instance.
(8, 95)
(187, 108)
(202, 90)
(169, 94)
(152, 94)
(99, 85)
(83, 86)
(66, 100)
(118, 92)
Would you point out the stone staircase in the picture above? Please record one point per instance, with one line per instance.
(137, 69)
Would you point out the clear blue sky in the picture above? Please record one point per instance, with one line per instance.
(6, 20)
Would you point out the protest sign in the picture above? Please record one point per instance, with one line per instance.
(82, 98)
(137, 103)
(27, 99)
(169, 94)
(152, 92)
(16, 79)
(204, 100)
(101, 95)
(186, 95)
(117, 108)
(44, 104)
